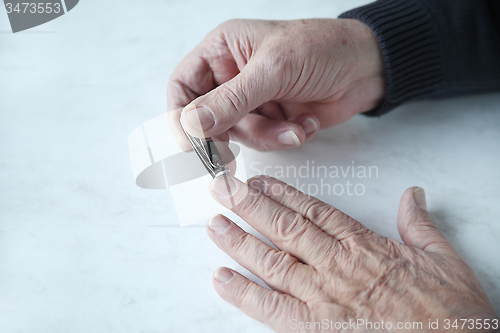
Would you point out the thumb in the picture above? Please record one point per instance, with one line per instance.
(223, 107)
(416, 227)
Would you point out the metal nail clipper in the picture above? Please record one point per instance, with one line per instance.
(209, 155)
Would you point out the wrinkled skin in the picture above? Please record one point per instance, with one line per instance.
(260, 79)
(272, 85)
(329, 266)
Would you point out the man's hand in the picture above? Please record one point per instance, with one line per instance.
(272, 84)
(330, 268)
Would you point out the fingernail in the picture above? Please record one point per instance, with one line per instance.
(218, 224)
(224, 186)
(419, 197)
(309, 125)
(201, 118)
(289, 138)
(222, 274)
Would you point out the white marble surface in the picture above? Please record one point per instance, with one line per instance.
(82, 249)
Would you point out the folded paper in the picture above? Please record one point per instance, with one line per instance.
(159, 163)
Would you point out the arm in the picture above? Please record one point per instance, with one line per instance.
(434, 49)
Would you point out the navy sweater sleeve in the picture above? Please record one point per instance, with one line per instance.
(434, 48)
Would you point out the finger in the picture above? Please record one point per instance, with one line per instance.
(286, 228)
(223, 107)
(264, 134)
(268, 306)
(278, 269)
(174, 124)
(336, 115)
(198, 73)
(271, 110)
(190, 79)
(308, 122)
(416, 227)
(328, 218)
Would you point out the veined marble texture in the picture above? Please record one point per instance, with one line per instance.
(83, 249)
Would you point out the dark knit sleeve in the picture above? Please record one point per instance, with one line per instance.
(434, 48)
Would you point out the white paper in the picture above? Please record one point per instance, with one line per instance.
(157, 161)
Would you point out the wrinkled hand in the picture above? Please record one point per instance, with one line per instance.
(330, 267)
(272, 84)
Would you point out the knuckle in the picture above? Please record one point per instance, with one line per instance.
(231, 98)
(353, 238)
(262, 143)
(278, 263)
(422, 226)
(391, 248)
(278, 190)
(239, 243)
(271, 260)
(229, 23)
(242, 292)
(347, 229)
(319, 212)
(278, 58)
(272, 306)
(333, 253)
(259, 141)
(289, 264)
(251, 203)
(284, 51)
(287, 223)
(224, 27)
